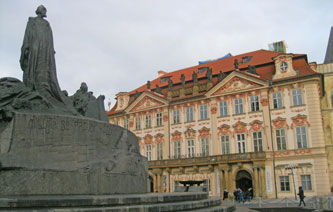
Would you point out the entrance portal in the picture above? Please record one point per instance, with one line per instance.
(243, 180)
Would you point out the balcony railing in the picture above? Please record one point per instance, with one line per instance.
(199, 159)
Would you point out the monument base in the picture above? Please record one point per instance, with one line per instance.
(44, 154)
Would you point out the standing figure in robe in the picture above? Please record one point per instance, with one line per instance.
(37, 58)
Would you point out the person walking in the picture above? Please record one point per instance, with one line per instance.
(225, 194)
(301, 196)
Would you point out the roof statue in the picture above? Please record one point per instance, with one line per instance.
(195, 77)
(182, 79)
(40, 91)
(236, 64)
(170, 84)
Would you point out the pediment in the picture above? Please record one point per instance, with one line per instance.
(236, 82)
(146, 101)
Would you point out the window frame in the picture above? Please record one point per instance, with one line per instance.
(306, 183)
(159, 148)
(301, 137)
(257, 142)
(254, 102)
(126, 124)
(284, 183)
(189, 114)
(138, 123)
(277, 100)
(239, 106)
(148, 121)
(190, 148)
(177, 149)
(176, 116)
(159, 119)
(280, 139)
(203, 112)
(297, 96)
(148, 152)
(225, 144)
(241, 144)
(205, 146)
(223, 106)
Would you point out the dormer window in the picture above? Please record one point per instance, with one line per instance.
(246, 59)
(164, 79)
(283, 66)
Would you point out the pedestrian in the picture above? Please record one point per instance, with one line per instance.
(301, 196)
(236, 194)
(241, 196)
(225, 194)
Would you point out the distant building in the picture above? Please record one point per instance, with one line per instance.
(327, 100)
(249, 121)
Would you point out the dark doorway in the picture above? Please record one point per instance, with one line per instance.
(243, 180)
(151, 180)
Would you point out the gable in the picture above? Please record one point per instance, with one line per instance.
(144, 102)
(237, 82)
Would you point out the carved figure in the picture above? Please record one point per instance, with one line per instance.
(236, 64)
(37, 57)
(209, 75)
(195, 77)
(170, 84)
(182, 79)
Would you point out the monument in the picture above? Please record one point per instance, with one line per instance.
(52, 143)
(59, 153)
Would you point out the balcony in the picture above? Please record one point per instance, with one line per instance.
(199, 159)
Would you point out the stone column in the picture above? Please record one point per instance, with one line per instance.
(155, 182)
(159, 183)
(263, 182)
(256, 182)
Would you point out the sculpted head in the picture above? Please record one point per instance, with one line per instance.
(41, 11)
(84, 87)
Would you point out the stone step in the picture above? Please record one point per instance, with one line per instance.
(98, 200)
(220, 208)
(160, 207)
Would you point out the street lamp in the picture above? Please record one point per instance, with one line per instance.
(292, 167)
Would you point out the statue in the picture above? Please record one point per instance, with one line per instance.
(182, 79)
(37, 57)
(195, 78)
(209, 75)
(236, 64)
(170, 84)
(88, 105)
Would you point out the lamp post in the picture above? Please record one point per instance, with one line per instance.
(292, 167)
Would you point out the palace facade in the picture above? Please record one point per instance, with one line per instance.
(247, 121)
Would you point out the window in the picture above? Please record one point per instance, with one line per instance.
(126, 123)
(159, 119)
(306, 182)
(190, 148)
(159, 151)
(137, 123)
(301, 137)
(277, 100)
(225, 144)
(254, 103)
(238, 106)
(241, 143)
(205, 146)
(223, 108)
(177, 149)
(148, 121)
(297, 97)
(176, 118)
(284, 183)
(257, 141)
(148, 152)
(189, 114)
(115, 123)
(281, 139)
(203, 112)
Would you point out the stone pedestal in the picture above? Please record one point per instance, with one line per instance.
(53, 154)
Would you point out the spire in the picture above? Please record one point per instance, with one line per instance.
(329, 50)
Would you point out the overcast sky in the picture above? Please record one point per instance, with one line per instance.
(117, 45)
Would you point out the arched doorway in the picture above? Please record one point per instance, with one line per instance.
(243, 180)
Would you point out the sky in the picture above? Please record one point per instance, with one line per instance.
(118, 45)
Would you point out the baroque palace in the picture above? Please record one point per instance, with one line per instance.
(247, 121)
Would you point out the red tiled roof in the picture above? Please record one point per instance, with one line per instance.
(259, 57)
(262, 59)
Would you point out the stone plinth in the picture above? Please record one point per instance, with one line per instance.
(54, 154)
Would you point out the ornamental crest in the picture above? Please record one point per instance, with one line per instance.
(148, 139)
(176, 136)
(224, 129)
(279, 122)
(204, 132)
(256, 125)
(300, 120)
(159, 137)
(239, 127)
(235, 84)
(190, 133)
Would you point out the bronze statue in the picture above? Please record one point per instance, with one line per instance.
(37, 57)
